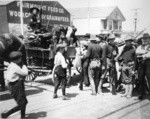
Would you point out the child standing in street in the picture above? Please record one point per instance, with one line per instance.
(60, 71)
(15, 76)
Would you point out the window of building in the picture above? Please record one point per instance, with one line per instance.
(116, 24)
(104, 22)
(110, 25)
(120, 25)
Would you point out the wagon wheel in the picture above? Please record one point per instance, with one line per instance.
(31, 76)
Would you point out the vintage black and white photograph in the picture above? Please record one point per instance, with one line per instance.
(74, 59)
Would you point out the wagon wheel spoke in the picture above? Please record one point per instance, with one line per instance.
(26, 79)
(31, 76)
(34, 75)
(79, 69)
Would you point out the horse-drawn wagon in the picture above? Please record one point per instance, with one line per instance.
(40, 55)
(38, 52)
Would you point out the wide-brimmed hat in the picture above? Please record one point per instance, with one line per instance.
(111, 36)
(128, 38)
(100, 36)
(34, 8)
(120, 43)
(93, 38)
(98, 39)
(146, 35)
(14, 55)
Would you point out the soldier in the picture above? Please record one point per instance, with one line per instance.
(128, 66)
(143, 54)
(104, 45)
(113, 52)
(15, 76)
(94, 54)
(85, 64)
(34, 19)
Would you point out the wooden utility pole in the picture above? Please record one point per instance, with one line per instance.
(135, 18)
(88, 16)
(21, 17)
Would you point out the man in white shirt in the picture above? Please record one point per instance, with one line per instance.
(15, 76)
(60, 71)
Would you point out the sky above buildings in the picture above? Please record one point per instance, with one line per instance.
(126, 6)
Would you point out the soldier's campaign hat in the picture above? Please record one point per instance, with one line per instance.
(128, 38)
(111, 36)
(93, 38)
(98, 39)
(100, 36)
(146, 35)
(34, 8)
(14, 55)
(120, 43)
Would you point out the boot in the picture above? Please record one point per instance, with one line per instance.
(113, 90)
(5, 115)
(65, 98)
(81, 86)
(140, 97)
(23, 112)
(118, 88)
(55, 95)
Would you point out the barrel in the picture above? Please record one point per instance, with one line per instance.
(71, 52)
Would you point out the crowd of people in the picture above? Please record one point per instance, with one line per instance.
(100, 62)
(98, 59)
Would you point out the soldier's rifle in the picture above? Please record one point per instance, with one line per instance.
(141, 32)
